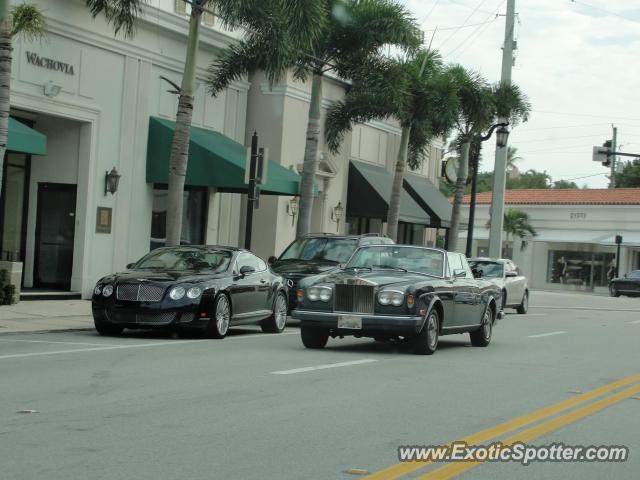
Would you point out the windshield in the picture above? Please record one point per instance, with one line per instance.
(634, 274)
(184, 258)
(415, 259)
(488, 269)
(337, 250)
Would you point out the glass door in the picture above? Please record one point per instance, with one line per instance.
(13, 207)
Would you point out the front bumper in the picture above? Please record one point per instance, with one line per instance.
(139, 317)
(371, 324)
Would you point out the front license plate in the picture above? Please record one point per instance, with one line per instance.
(350, 321)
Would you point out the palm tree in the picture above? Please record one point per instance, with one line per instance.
(512, 158)
(22, 19)
(481, 106)
(417, 93)
(516, 224)
(271, 24)
(353, 30)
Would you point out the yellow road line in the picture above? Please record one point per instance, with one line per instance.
(454, 469)
(400, 469)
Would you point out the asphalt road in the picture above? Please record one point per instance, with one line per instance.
(257, 406)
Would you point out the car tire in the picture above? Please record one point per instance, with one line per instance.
(278, 319)
(108, 329)
(482, 336)
(426, 342)
(315, 338)
(218, 326)
(523, 308)
(613, 291)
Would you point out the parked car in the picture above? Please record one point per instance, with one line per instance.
(628, 284)
(205, 287)
(506, 276)
(398, 291)
(317, 253)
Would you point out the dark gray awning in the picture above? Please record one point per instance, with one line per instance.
(369, 192)
(429, 197)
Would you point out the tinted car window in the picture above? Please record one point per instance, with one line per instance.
(336, 250)
(246, 259)
(185, 258)
(489, 269)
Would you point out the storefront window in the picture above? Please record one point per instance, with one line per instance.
(12, 218)
(585, 269)
(194, 211)
(410, 233)
(360, 225)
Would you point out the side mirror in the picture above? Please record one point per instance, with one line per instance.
(272, 259)
(130, 265)
(246, 270)
(511, 274)
(461, 273)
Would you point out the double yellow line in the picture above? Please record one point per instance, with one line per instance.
(453, 469)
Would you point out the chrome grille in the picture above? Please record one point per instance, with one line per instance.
(354, 298)
(160, 318)
(139, 292)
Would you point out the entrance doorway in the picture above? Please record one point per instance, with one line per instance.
(55, 228)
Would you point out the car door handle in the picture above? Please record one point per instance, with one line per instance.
(262, 280)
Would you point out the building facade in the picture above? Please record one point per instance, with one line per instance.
(101, 102)
(575, 246)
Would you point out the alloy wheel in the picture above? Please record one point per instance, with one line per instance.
(223, 314)
(281, 311)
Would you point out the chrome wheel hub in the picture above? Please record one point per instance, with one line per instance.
(222, 315)
(281, 311)
(432, 331)
(486, 324)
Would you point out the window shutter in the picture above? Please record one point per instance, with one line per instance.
(181, 7)
(208, 18)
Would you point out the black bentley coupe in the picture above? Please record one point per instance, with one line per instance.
(398, 291)
(206, 287)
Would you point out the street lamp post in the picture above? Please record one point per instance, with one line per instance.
(501, 141)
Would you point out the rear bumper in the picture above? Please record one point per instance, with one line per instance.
(371, 324)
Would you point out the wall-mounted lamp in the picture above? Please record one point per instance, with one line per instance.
(51, 90)
(292, 209)
(111, 181)
(336, 215)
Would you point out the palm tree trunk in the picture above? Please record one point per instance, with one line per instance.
(180, 146)
(5, 78)
(394, 202)
(310, 164)
(461, 181)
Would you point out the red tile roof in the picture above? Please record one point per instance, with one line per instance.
(569, 196)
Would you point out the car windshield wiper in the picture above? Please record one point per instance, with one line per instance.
(357, 268)
(391, 268)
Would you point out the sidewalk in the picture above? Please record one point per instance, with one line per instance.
(45, 315)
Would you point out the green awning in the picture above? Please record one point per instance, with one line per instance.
(25, 140)
(369, 192)
(214, 161)
(430, 199)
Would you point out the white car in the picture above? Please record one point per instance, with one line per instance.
(506, 275)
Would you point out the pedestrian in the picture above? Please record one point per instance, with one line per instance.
(611, 273)
(563, 269)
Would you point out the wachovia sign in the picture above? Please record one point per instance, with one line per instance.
(50, 64)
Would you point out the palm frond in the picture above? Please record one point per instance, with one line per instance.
(358, 106)
(122, 14)
(511, 103)
(232, 63)
(28, 22)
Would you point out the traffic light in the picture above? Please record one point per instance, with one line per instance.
(607, 145)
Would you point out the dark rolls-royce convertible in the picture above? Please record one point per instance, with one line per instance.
(206, 287)
(628, 284)
(398, 291)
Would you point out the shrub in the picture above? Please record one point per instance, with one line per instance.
(7, 291)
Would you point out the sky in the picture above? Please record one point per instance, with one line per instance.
(578, 62)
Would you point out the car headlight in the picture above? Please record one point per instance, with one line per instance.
(397, 299)
(325, 294)
(177, 293)
(384, 298)
(107, 290)
(313, 294)
(97, 290)
(194, 292)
